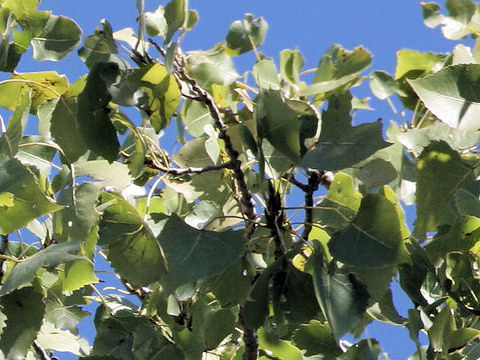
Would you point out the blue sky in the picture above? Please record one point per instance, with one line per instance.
(383, 27)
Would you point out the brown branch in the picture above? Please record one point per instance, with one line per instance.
(188, 170)
(247, 202)
(313, 182)
(3, 251)
(41, 351)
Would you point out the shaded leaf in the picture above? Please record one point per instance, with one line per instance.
(176, 14)
(317, 339)
(59, 37)
(94, 122)
(24, 272)
(266, 74)
(438, 161)
(187, 249)
(99, 47)
(342, 298)
(24, 310)
(373, 239)
(340, 144)
(213, 66)
(245, 35)
(291, 64)
(132, 248)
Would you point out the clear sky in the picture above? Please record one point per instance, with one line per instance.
(313, 26)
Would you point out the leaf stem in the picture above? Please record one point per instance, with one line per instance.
(41, 351)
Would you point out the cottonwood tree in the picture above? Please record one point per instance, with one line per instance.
(213, 259)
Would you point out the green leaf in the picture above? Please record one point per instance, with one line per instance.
(317, 339)
(385, 311)
(131, 337)
(210, 67)
(132, 248)
(24, 272)
(29, 199)
(342, 298)
(462, 236)
(176, 15)
(438, 161)
(59, 37)
(155, 22)
(382, 84)
(196, 115)
(442, 328)
(282, 125)
(340, 144)
(115, 175)
(44, 85)
(21, 8)
(467, 203)
(374, 238)
(11, 138)
(363, 350)
(51, 338)
(458, 24)
(338, 68)
(99, 47)
(76, 220)
(94, 123)
(341, 204)
(281, 349)
(266, 74)
(452, 95)
(24, 310)
(291, 64)
(193, 254)
(245, 35)
(162, 94)
(233, 284)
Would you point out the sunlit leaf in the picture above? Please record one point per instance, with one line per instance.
(338, 68)
(29, 199)
(11, 138)
(44, 85)
(452, 95)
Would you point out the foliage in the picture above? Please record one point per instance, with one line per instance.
(213, 261)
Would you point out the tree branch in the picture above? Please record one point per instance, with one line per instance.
(247, 202)
(3, 251)
(189, 170)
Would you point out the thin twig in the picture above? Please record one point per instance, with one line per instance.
(188, 170)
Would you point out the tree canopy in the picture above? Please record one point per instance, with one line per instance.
(214, 256)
